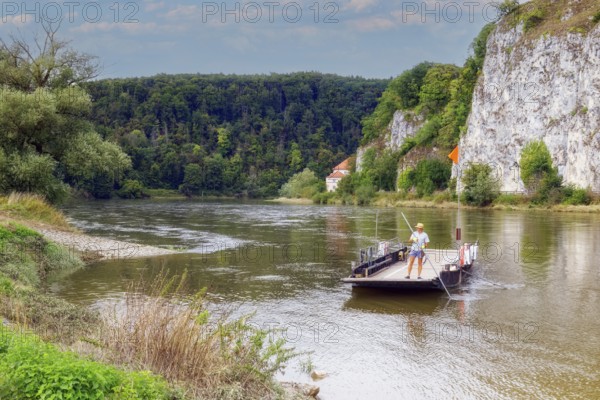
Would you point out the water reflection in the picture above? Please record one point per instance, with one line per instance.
(393, 302)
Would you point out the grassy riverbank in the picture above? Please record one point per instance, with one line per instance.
(505, 202)
(442, 200)
(177, 349)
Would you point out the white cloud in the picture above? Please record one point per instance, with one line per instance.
(182, 12)
(18, 20)
(372, 24)
(153, 6)
(360, 5)
(137, 28)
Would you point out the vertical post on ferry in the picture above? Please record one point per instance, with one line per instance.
(376, 226)
(454, 156)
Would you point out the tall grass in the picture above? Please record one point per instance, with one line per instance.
(210, 354)
(34, 208)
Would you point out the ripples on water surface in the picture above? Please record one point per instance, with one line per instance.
(536, 337)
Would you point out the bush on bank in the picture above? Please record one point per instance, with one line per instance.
(33, 369)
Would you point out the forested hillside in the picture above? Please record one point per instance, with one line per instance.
(440, 94)
(229, 134)
(435, 100)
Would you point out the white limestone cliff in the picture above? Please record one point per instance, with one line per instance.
(405, 124)
(547, 89)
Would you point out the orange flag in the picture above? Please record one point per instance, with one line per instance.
(454, 155)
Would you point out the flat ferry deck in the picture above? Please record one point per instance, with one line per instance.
(393, 276)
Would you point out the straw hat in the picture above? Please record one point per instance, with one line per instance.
(420, 225)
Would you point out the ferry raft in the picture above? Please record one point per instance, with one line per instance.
(386, 267)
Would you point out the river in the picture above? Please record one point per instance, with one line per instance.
(534, 333)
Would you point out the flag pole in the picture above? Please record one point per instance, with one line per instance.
(458, 230)
(454, 156)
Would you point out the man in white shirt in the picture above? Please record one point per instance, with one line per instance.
(420, 240)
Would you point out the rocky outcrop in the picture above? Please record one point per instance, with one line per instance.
(544, 88)
(404, 124)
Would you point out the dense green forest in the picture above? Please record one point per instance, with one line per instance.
(229, 134)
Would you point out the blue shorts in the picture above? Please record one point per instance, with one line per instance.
(417, 253)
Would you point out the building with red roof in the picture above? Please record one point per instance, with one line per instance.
(339, 171)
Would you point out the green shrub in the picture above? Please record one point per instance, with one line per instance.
(304, 184)
(441, 197)
(435, 92)
(480, 186)
(435, 170)
(379, 170)
(576, 196)
(192, 180)
(507, 7)
(365, 194)
(429, 131)
(33, 173)
(549, 190)
(596, 18)
(324, 198)
(19, 248)
(32, 369)
(428, 176)
(406, 180)
(132, 189)
(532, 19)
(347, 199)
(536, 163)
(425, 187)
(539, 175)
(407, 146)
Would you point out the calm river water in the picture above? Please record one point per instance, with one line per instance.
(536, 336)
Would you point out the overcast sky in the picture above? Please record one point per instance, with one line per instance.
(370, 38)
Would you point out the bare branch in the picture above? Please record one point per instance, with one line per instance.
(50, 62)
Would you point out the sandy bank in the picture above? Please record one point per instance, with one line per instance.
(285, 200)
(99, 248)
